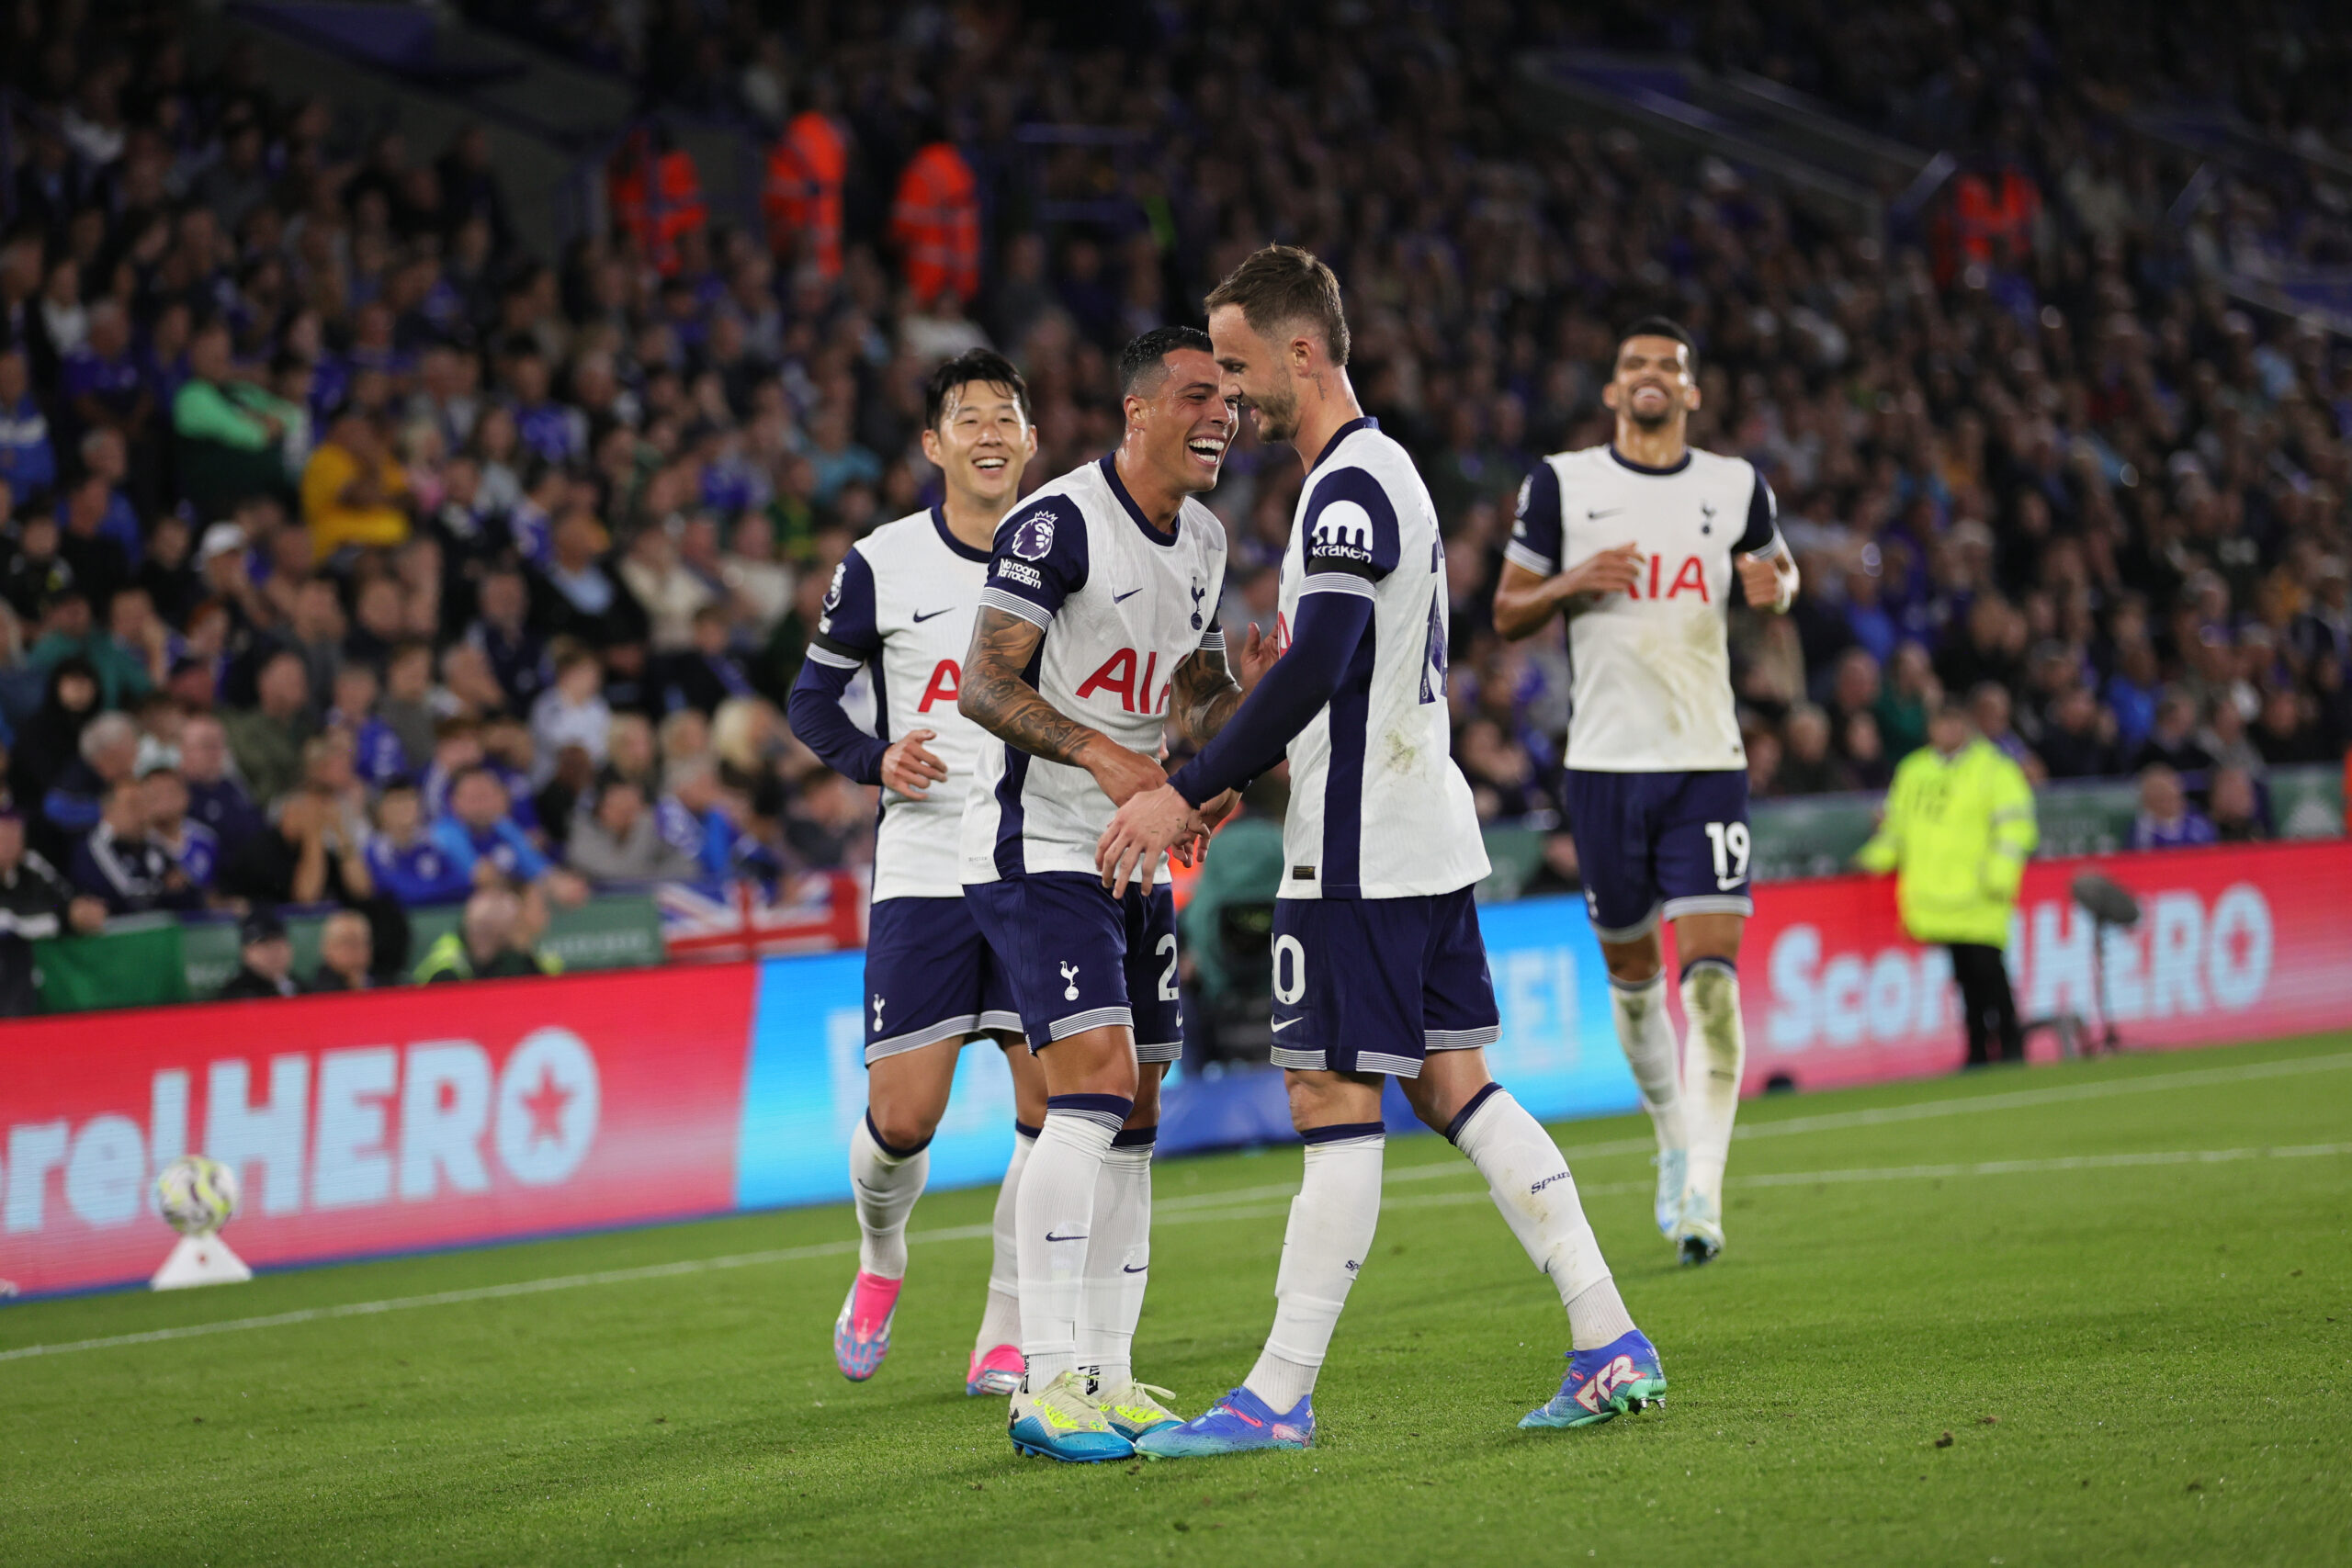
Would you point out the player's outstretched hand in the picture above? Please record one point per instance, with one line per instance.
(910, 768)
(1124, 774)
(1141, 832)
(1252, 657)
(1612, 570)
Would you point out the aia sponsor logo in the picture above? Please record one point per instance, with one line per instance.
(946, 681)
(1691, 577)
(1118, 677)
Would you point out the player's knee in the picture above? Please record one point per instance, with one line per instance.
(1635, 962)
(901, 1127)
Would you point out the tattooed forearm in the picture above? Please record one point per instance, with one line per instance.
(995, 697)
(1204, 695)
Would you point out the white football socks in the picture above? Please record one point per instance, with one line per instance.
(1528, 1177)
(886, 1181)
(1000, 1322)
(1118, 1260)
(1329, 1236)
(1647, 1035)
(1054, 1214)
(1715, 1052)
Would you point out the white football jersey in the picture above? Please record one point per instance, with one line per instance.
(902, 606)
(1377, 808)
(1649, 668)
(1122, 605)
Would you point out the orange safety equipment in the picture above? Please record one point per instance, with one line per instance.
(807, 168)
(935, 223)
(655, 212)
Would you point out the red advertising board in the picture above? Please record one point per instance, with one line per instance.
(2238, 942)
(380, 1123)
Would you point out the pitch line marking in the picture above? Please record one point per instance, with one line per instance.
(1196, 1216)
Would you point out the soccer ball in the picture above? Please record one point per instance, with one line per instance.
(195, 1196)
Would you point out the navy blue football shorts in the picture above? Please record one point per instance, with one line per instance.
(1659, 844)
(1375, 985)
(930, 976)
(1081, 959)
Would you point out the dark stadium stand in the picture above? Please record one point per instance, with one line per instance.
(2041, 343)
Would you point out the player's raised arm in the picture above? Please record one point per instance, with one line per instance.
(998, 698)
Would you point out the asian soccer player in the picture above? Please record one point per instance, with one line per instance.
(1378, 967)
(1641, 544)
(901, 606)
(1097, 629)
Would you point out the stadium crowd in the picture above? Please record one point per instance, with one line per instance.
(353, 553)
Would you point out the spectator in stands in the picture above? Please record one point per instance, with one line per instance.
(346, 954)
(500, 629)
(402, 858)
(27, 455)
(1809, 765)
(2236, 807)
(266, 740)
(2286, 736)
(232, 436)
(2075, 743)
(192, 847)
(573, 712)
(2166, 821)
(119, 862)
(2172, 741)
(378, 756)
(301, 858)
(494, 940)
(264, 960)
(35, 904)
(691, 815)
(406, 707)
(620, 840)
(50, 740)
(108, 755)
(481, 839)
(1906, 699)
(704, 674)
(573, 595)
(215, 800)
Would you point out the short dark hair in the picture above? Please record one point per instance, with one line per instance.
(972, 365)
(1146, 359)
(1660, 326)
(1283, 284)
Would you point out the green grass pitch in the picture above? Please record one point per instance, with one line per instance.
(2007, 1319)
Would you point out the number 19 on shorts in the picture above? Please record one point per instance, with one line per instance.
(1729, 843)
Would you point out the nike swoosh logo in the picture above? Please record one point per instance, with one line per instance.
(932, 615)
(1607, 511)
(1051, 1236)
(1130, 1269)
(1284, 1024)
(1122, 598)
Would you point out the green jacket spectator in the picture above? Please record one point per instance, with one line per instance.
(267, 740)
(233, 437)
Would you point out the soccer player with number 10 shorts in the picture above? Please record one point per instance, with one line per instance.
(1379, 970)
(1641, 545)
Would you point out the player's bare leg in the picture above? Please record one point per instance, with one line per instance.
(1118, 1268)
(995, 1350)
(1638, 1005)
(1091, 1082)
(888, 1161)
(1715, 1050)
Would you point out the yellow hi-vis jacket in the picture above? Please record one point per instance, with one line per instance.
(1956, 835)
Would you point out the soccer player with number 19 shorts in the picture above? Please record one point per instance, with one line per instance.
(902, 606)
(1379, 970)
(1641, 545)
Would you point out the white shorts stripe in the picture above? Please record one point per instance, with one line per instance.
(1709, 903)
(1099, 1018)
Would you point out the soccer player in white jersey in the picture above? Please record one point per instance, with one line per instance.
(901, 606)
(1641, 544)
(1097, 629)
(1378, 967)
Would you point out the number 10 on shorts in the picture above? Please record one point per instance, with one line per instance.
(1730, 843)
